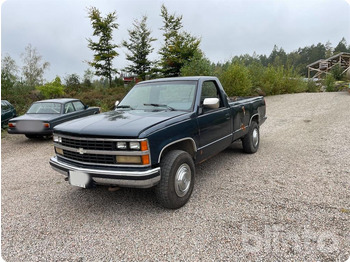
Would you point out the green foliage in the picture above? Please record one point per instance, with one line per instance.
(9, 70)
(312, 87)
(341, 47)
(102, 97)
(104, 49)
(329, 83)
(179, 47)
(236, 80)
(139, 47)
(72, 83)
(198, 66)
(33, 68)
(337, 72)
(52, 89)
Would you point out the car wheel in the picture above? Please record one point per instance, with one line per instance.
(177, 179)
(251, 140)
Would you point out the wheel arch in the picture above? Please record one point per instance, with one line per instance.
(254, 118)
(186, 144)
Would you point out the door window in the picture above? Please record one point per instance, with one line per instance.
(78, 105)
(68, 108)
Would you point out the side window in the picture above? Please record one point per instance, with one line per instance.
(210, 90)
(68, 108)
(78, 105)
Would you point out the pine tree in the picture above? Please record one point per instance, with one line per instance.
(104, 49)
(139, 47)
(179, 47)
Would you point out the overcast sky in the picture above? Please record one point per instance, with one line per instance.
(59, 28)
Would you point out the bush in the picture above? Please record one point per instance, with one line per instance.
(337, 71)
(312, 87)
(52, 89)
(236, 80)
(329, 83)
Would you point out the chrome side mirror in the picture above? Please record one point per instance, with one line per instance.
(212, 103)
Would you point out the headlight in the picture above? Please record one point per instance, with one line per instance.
(57, 139)
(121, 145)
(134, 145)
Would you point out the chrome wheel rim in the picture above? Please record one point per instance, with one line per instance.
(255, 137)
(183, 180)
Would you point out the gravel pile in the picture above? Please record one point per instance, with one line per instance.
(288, 202)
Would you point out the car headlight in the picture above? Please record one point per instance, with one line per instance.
(122, 145)
(134, 145)
(57, 139)
(136, 152)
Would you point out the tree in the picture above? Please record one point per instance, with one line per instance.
(9, 72)
(198, 66)
(179, 47)
(139, 47)
(236, 80)
(104, 49)
(72, 83)
(33, 68)
(52, 89)
(341, 47)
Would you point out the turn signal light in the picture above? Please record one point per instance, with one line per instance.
(144, 145)
(11, 125)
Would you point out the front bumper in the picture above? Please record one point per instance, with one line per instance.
(139, 179)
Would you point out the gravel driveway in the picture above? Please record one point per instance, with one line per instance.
(288, 202)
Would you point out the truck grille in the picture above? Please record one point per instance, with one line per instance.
(89, 158)
(100, 151)
(88, 144)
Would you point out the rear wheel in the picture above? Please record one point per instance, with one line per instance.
(177, 179)
(251, 140)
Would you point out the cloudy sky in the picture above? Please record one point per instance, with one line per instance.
(58, 29)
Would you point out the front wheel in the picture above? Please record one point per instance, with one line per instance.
(177, 179)
(251, 140)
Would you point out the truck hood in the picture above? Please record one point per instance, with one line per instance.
(116, 123)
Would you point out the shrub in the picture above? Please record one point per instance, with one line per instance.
(52, 89)
(236, 80)
(329, 83)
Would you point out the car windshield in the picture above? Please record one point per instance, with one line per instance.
(45, 108)
(172, 95)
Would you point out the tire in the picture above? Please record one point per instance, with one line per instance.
(251, 140)
(177, 179)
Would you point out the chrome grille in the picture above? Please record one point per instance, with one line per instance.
(89, 158)
(88, 144)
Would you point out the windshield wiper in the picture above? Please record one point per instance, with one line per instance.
(124, 106)
(161, 105)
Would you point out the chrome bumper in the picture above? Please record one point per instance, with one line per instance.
(140, 179)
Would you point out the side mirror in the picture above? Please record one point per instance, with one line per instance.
(212, 103)
(86, 106)
(116, 103)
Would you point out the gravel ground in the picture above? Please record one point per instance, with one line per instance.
(288, 202)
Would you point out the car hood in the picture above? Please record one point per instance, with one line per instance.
(116, 123)
(41, 117)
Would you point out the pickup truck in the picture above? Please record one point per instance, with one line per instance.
(156, 135)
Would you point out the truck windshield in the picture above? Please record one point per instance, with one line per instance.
(172, 95)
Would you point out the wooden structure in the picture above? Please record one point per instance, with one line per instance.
(323, 66)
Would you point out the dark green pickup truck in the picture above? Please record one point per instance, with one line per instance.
(156, 135)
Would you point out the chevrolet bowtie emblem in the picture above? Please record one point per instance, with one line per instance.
(81, 151)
